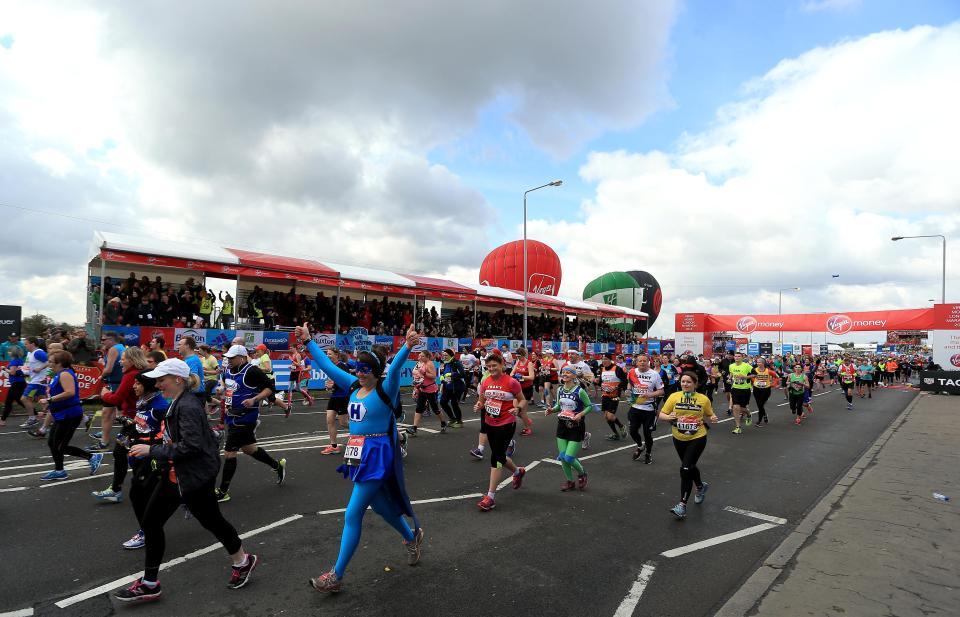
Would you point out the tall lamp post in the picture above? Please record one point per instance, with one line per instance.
(943, 283)
(526, 282)
(780, 307)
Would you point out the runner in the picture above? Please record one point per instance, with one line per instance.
(299, 376)
(211, 375)
(645, 386)
(470, 364)
(865, 374)
(689, 413)
(425, 391)
(372, 456)
(500, 398)
(763, 379)
(740, 373)
(338, 401)
(145, 428)
(613, 381)
(670, 375)
(246, 386)
(453, 380)
(36, 376)
(188, 460)
(262, 355)
(14, 373)
(848, 374)
(67, 411)
(573, 404)
(524, 372)
(797, 384)
(713, 378)
(551, 377)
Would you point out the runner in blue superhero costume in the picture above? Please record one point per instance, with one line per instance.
(372, 457)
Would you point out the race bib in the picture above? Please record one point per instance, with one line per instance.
(688, 424)
(354, 449)
(492, 409)
(231, 387)
(739, 379)
(568, 414)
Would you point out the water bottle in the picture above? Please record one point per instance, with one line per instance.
(940, 497)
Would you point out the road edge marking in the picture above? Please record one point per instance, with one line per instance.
(630, 601)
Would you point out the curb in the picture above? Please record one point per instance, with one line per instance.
(756, 587)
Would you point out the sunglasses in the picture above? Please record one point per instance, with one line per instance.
(364, 369)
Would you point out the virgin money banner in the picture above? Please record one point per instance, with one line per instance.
(689, 343)
(946, 336)
(834, 323)
(690, 322)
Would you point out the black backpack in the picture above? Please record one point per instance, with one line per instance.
(396, 405)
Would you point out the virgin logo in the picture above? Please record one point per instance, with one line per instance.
(955, 360)
(839, 324)
(543, 284)
(746, 324)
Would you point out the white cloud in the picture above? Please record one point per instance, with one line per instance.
(816, 6)
(827, 156)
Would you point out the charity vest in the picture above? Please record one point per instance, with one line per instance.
(65, 408)
(763, 378)
(570, 403)
(689, 410)
(236, 392)
(610, 382)
(116, 375)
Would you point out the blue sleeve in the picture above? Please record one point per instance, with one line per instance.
(40, 355)
(391, 385)
(340, 377)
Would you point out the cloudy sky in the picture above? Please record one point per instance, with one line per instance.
(729, 148)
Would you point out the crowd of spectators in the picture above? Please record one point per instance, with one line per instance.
(143, 302)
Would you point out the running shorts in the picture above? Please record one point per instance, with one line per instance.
(338, 404)
(239, 435)
(608, 403)
(740, 396)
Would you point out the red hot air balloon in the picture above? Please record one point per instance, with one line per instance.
(503, 267)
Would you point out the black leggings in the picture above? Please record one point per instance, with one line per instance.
(847, 390)
(450, 402)
(58, 438)
(143, 481)
(498, 437)
(689, 453)
(761, 396)
(645, 419)
(796, 403)
(160, 506)
(425, 398)
(709, 389)
(13, 396)
(119, 466)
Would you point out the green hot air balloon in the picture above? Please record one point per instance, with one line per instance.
(635, 289)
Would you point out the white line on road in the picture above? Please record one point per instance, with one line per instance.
(68, 467)
(757, 515)
(727, 537)
(96, 591)
(632, 598)
(510, 478)
(12, 490)
(23, 612)
(71, 481)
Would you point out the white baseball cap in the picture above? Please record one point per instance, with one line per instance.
(236, 350)
(173, 366)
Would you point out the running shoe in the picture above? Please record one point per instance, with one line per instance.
(39, 433)
(138, 592)
(98, 446)
(413, 548)
(222, 496)
(701, 493)
(679, 511)
(729, 412)
(614, 437)
(281, 471)
(109, 495)
(455, 424)
(95, 461)
(31, 421)
(96, 435)
(736, 430)
(748, 420)
(55, 475)
(582, 481)
(586, 440)
(518, 477)
(331, 449)
(443, 427)
(327, 583)
(569, 485)
(308, 403)
(648, 458)
(240, 575)
(412, 431)
(766, 421)
(477, 453)
(135, 542)
(637, 453)
(870, 395)
(526, 431)
(288, 410)
(511, 448)
(487, 503)
(623, 432)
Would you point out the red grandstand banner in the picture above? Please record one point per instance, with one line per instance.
(834, 323)
(690, 322)
(88, 376)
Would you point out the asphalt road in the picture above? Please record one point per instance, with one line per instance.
(540, 550)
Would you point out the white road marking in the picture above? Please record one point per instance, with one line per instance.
(96, 591)
(757, 515)
(629, 603)
(727, 537)
(23, 612)
(12, 490)
(509, 479)
(72, 480)
(68, 467)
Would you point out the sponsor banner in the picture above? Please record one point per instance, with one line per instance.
(10, 320)
(835, 323)
(690, 342)
(777, 349)
(218, 338)
(251, 338)
(557, 346)
(940, 381)
(324, 340)
(360, 339)
(946, 317)
(490, 344)
(806, 350)
(130, 334)
(653, 346)
(537, 346)
(451, 343)
(277, 341)
(434, 344)
(167, 334)
(766, 349)
(946, 349)
(88, 376)
(753, 349)
(824, 349)
(421, 346)
(515, 345)
(465, 342)
(690, 322)
(198, 334)
(668, 346)
(345, 341)
(382, 339)
(786, 348)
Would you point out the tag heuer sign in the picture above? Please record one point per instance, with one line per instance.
(940, 381)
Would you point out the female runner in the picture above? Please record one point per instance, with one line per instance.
(573, 403)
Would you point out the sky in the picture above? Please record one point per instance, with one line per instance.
(729, 148)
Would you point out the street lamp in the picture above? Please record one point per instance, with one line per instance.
(780, 307)
(526, 283)
(943, 284)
